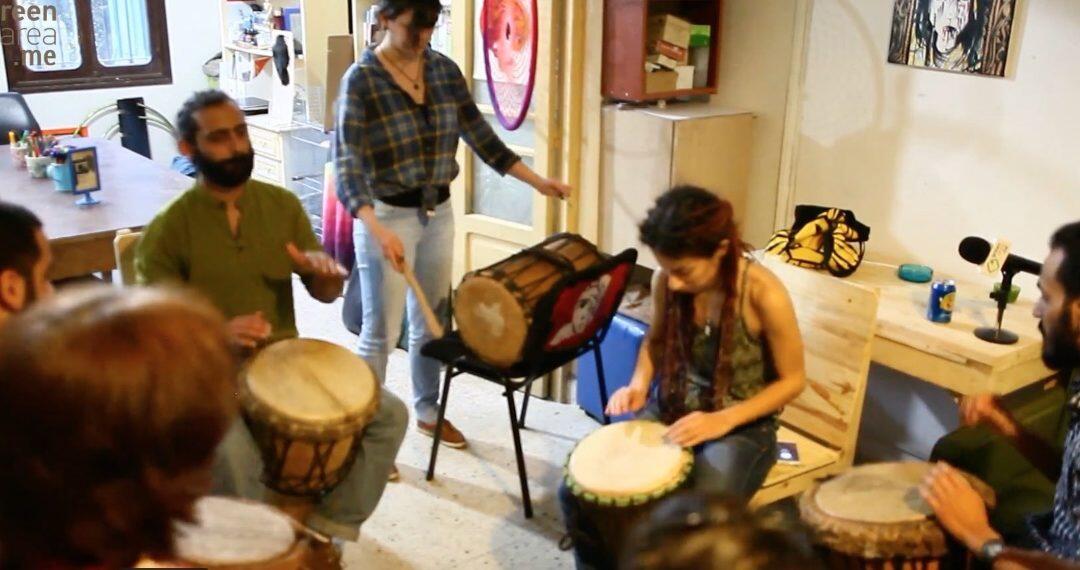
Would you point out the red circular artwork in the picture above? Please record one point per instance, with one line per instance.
(509, 30)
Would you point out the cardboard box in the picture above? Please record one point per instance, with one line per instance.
(679, 54)
(700, 35)
(670, 29)
(685, 75)
(661, 81)
(662, 61)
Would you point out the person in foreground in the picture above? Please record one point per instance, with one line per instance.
(239, 241)
(25, 259)
(725, 347)
(1055, 536)
(114, 402)
(696, 531)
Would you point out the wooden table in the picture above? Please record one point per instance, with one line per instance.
(949, 355)
(133, 189)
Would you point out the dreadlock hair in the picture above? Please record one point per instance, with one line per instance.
(688, 221)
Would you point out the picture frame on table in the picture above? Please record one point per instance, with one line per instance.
(83, 163)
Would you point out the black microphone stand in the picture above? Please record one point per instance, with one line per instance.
(998, 335)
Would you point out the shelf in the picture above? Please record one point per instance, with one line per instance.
(679, 93)
(250, 50)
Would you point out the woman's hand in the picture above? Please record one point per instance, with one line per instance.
(546, 186)
(698, 427)
(553, 188)
(392, 248)
(627, 400)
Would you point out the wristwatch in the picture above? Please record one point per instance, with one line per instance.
(991, 549)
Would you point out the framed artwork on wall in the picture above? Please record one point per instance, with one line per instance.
(963, 36)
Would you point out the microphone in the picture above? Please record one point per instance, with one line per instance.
(977, 250)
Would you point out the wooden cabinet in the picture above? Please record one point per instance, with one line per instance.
(647, 151)
(625, 51)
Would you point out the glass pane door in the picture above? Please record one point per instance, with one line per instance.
(500, 197)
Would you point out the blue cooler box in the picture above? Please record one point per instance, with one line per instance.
(619, 351)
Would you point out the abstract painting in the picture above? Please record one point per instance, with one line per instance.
(964, 36)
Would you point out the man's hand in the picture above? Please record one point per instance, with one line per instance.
(959, 508)
(315, 263)
(249, 330)
(986, 409)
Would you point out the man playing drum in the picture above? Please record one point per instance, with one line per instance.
(1056, 535)
(239, 241)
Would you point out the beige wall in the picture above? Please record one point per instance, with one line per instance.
(756, 43)
(928, 157)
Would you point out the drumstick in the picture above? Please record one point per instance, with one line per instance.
(429, 315)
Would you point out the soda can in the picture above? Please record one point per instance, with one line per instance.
(942, 299)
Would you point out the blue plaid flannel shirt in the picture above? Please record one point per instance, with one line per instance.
(379, 148)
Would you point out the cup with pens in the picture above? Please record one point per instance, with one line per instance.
(19, 149)
(33, 151)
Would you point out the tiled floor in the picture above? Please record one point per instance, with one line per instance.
(470, 516)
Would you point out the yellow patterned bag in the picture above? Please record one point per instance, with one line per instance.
(822, 238)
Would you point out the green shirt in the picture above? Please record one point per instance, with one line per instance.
(190, 241)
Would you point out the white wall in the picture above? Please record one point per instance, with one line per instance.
(194, 36)
(755, 63)
(927, 157)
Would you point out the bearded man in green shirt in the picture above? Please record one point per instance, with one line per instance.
(239, 241)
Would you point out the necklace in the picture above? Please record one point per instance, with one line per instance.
(414, 79)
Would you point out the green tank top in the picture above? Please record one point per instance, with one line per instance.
(751, 362)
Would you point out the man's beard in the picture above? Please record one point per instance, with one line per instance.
(228, 173)
(1059, 351)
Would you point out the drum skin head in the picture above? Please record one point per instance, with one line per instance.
(312, 381)
(234, 532)
(885, 493)
(627, 460)
(491, 320)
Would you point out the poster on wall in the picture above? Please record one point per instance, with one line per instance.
(509, 31)
(964, 36)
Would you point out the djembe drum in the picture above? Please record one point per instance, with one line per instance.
(494, 306)
(620, 471)
(872, 517)
(233, 534)
(307, 403)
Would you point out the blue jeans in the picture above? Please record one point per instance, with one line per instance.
(734, 465)
(383, 293)
(238, 469)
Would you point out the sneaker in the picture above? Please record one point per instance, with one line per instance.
(395, 475)
(451, 437)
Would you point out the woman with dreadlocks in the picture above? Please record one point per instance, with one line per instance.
(723, 356)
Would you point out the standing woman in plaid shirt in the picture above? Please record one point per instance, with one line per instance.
(400, 114)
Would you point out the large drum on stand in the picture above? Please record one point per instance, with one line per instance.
(494, 306)
(872, 517)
